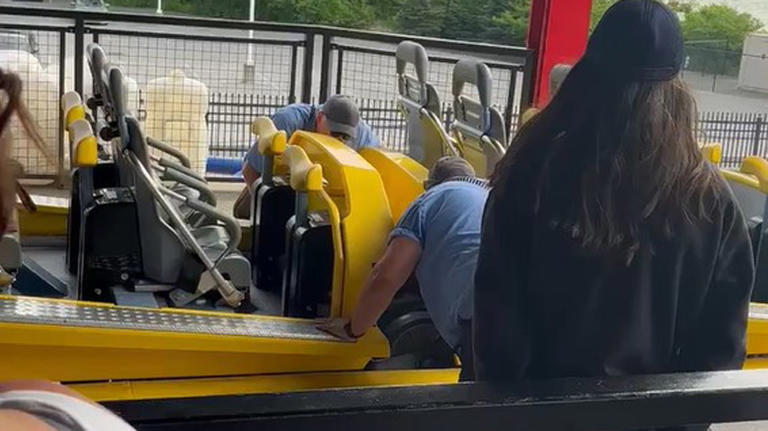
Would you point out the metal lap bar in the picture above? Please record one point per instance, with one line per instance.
(612, 403)
(78, 314)
(228, 292)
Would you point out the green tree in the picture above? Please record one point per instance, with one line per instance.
(509, 22)
(421, 17)
(718, 22)
(715, 38)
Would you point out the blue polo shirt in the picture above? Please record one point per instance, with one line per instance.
(446, 221)
(301, 116)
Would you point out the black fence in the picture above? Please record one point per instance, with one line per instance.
(221, 73)
(594, 404)
(740, 134)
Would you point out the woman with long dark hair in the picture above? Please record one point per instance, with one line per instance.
(609, 245)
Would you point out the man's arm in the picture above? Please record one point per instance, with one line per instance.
(386, 278)
(250, 175)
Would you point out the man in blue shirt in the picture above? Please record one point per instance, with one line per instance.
(337, 117)
(438, 236)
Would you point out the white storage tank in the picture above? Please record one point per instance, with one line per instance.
(131, 94)
(40, 94)
(176, 108)
(753, 75)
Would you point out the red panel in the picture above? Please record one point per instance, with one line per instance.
(557, 32)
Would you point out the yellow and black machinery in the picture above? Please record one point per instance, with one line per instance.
(137, 329)
(134, 327)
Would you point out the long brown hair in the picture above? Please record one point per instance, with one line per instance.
(13, 105)
(610, 161)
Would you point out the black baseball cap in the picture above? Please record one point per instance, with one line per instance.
(637, 40)
(342, 115)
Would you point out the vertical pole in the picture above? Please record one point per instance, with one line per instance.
(159, 10)
(79, 53)
(294, 72)
(510, 102)
(306, 75)
(339, 64)
(62, 170)
(325, 66)
(759, 122)
(251, 18)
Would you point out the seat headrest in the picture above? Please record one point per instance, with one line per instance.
(473, 72)
(305, 175)
(271, 142)
(415, 54)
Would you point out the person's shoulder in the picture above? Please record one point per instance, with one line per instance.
(298, 107)
(462, 188)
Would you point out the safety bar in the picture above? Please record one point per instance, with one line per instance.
(165, 148)
(757, 167)
(166, 163)
(232, 296)
(473, 72)
(171, 174)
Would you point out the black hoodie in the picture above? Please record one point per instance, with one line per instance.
(545, 309)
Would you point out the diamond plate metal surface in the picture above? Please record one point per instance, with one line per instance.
(28, 310)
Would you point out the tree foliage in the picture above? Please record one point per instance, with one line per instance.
(496, 21)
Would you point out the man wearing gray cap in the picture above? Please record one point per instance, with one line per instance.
(437, 239)
(337, 117)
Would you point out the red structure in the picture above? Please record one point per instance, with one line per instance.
(557, 32)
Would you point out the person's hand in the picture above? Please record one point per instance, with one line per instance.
(338, 327)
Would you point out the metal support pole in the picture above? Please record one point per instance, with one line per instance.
(325, 68)
(759, 123)
(251, 18)
(306, 75)
(159, 10)
(79, 53)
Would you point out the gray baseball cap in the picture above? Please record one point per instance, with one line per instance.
(342, 115)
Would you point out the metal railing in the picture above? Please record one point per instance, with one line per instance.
(740, 134)
(242, 74)
(589, 404)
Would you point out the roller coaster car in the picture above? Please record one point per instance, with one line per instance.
(750, 186)
(306, 219)
(257, 353)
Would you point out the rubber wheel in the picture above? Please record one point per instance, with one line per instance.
(415, 343)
